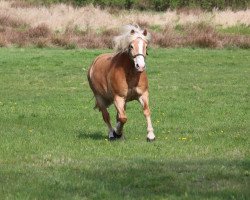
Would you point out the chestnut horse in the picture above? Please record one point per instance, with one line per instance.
(121, 77)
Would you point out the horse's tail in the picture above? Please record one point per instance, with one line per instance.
(90, 84)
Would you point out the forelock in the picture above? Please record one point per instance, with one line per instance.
(122, 41)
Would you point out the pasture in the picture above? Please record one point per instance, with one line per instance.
(53, 145)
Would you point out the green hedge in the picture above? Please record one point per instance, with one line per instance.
(158, 5)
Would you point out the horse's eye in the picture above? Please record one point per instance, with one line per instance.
(131, 47)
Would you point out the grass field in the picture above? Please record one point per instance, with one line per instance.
(53, 145)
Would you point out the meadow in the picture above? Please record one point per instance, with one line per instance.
(53, 144)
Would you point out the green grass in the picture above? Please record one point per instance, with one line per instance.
(235, 30)
(53, 144)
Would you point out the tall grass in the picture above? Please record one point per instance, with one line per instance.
(25, 24)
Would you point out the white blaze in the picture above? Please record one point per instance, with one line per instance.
(140, 45)
(139, 60)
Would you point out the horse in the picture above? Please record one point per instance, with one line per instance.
(119, 77)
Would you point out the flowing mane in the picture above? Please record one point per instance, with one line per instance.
(122, 41)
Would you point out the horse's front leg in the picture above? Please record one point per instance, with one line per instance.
(121, 114)
(144, 100)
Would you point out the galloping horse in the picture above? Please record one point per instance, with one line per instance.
(120, 77)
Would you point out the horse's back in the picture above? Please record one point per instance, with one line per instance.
(100, 65)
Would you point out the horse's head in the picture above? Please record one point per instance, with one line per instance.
(138, 51)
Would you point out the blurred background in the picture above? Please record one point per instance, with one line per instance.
(93, 23)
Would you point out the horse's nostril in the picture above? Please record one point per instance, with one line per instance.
(137, 66)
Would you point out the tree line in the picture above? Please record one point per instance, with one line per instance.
(157, 5)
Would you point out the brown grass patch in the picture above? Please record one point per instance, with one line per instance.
(42, 42)
(195, 35)
(93, 40)
(236, 41)
(22, 4)
(189, 11)
(3, 41)
(41, 30)
(204, 36)
(20, 39)
(166, 38)
(11, 21)
(60, 40)
(142, 23)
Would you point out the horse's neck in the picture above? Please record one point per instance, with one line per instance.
(122, 55)
(128, 72)
(126, 60)
(129, 69)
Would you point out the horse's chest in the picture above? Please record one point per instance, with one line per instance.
(129, 85)
(134, 93)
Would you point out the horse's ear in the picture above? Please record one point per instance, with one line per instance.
(145, 32)
(132, 31)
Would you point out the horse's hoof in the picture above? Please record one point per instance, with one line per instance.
(112, 138)
(150, 140)
(115, 136)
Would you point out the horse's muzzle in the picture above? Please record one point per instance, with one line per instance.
(139, 63)
(140, 68)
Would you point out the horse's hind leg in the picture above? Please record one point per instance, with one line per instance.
(106, 118)
(111, 132)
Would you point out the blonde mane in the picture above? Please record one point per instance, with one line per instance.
(122, 41)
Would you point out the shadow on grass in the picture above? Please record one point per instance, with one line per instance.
(93, 136)
(131, 179)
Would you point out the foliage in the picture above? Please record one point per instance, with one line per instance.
(158, 5)
(53, 145)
